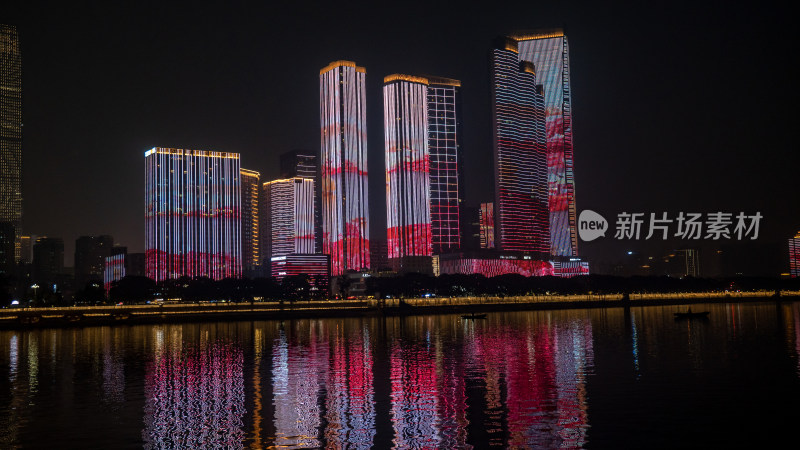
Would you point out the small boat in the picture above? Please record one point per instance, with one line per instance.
(691, 315)
(473, 316)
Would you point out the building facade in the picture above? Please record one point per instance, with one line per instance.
(287, 224)
(422, 124)
(794, 256)
(548, 50)
(48, 262)
(487, 225)
(193, 217)
(90, 258)
(520, 153)
(446, 163)
(303, 164)
(343, 166)
(408, 212)
(11, 131)
(251, 251)
(316, 266)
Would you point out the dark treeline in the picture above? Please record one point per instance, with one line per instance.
(416, 285)
(138, 289)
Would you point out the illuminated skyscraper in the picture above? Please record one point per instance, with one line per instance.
(548, 50)
(520, 153)
(444, 145)
(287, 217)
(251, 253)
(794, 256)
(192, 214)
(343, 166)
(408, 215)
(423, 176)
(11, 130)
(302, 163)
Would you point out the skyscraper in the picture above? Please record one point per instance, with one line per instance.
(303, 163)
(287, 215)
(794, 256)
(444, 144)
(11, 130)
(251, 253)
(520, 153)
(422, 124)
(548, 50)
(192, 214)
(343, 166)
(408, 212)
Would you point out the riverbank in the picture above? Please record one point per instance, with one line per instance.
(21, 318)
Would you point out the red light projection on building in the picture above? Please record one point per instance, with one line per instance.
(486, 223)
(343, 166)
(192, 214)
(520, 153)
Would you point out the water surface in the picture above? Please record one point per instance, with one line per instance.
(602, 378)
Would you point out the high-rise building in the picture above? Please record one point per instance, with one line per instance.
(8, 236)
(444, 146)
(90, 258)
(343, 166)
(114, 269)
(487, 225)
(423, 165)
(192, 214)
(121, 264)
(548, 50)
(287, 214)
(408, 200)
(251, 253)
(303, 164)
(690, 262)
(48, 262)
(11, 130)
(298, 163)
(316, 266)
(794, 256)
(520, 153)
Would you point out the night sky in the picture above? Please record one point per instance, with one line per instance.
(677, 106)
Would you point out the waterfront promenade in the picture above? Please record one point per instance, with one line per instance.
(11, 318)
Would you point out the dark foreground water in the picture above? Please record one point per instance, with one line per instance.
(602, 378)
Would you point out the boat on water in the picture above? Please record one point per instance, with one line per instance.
(473, 316)
(691, 315)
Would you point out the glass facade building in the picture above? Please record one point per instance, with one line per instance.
(423, 164)
(548, 50)
(408, 216)
(794, 256)
(193, 216)
(251, 252)
(487, 225)
(444, 147)
(288, 217)
(11, 131)
(520, 153)
(343, 166)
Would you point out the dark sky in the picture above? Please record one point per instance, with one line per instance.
(678, 106)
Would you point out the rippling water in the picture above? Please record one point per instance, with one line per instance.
(603, 378)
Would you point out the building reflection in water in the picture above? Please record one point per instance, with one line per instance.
(513, 380)
(194, 395)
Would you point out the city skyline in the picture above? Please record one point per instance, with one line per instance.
(607, 184)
